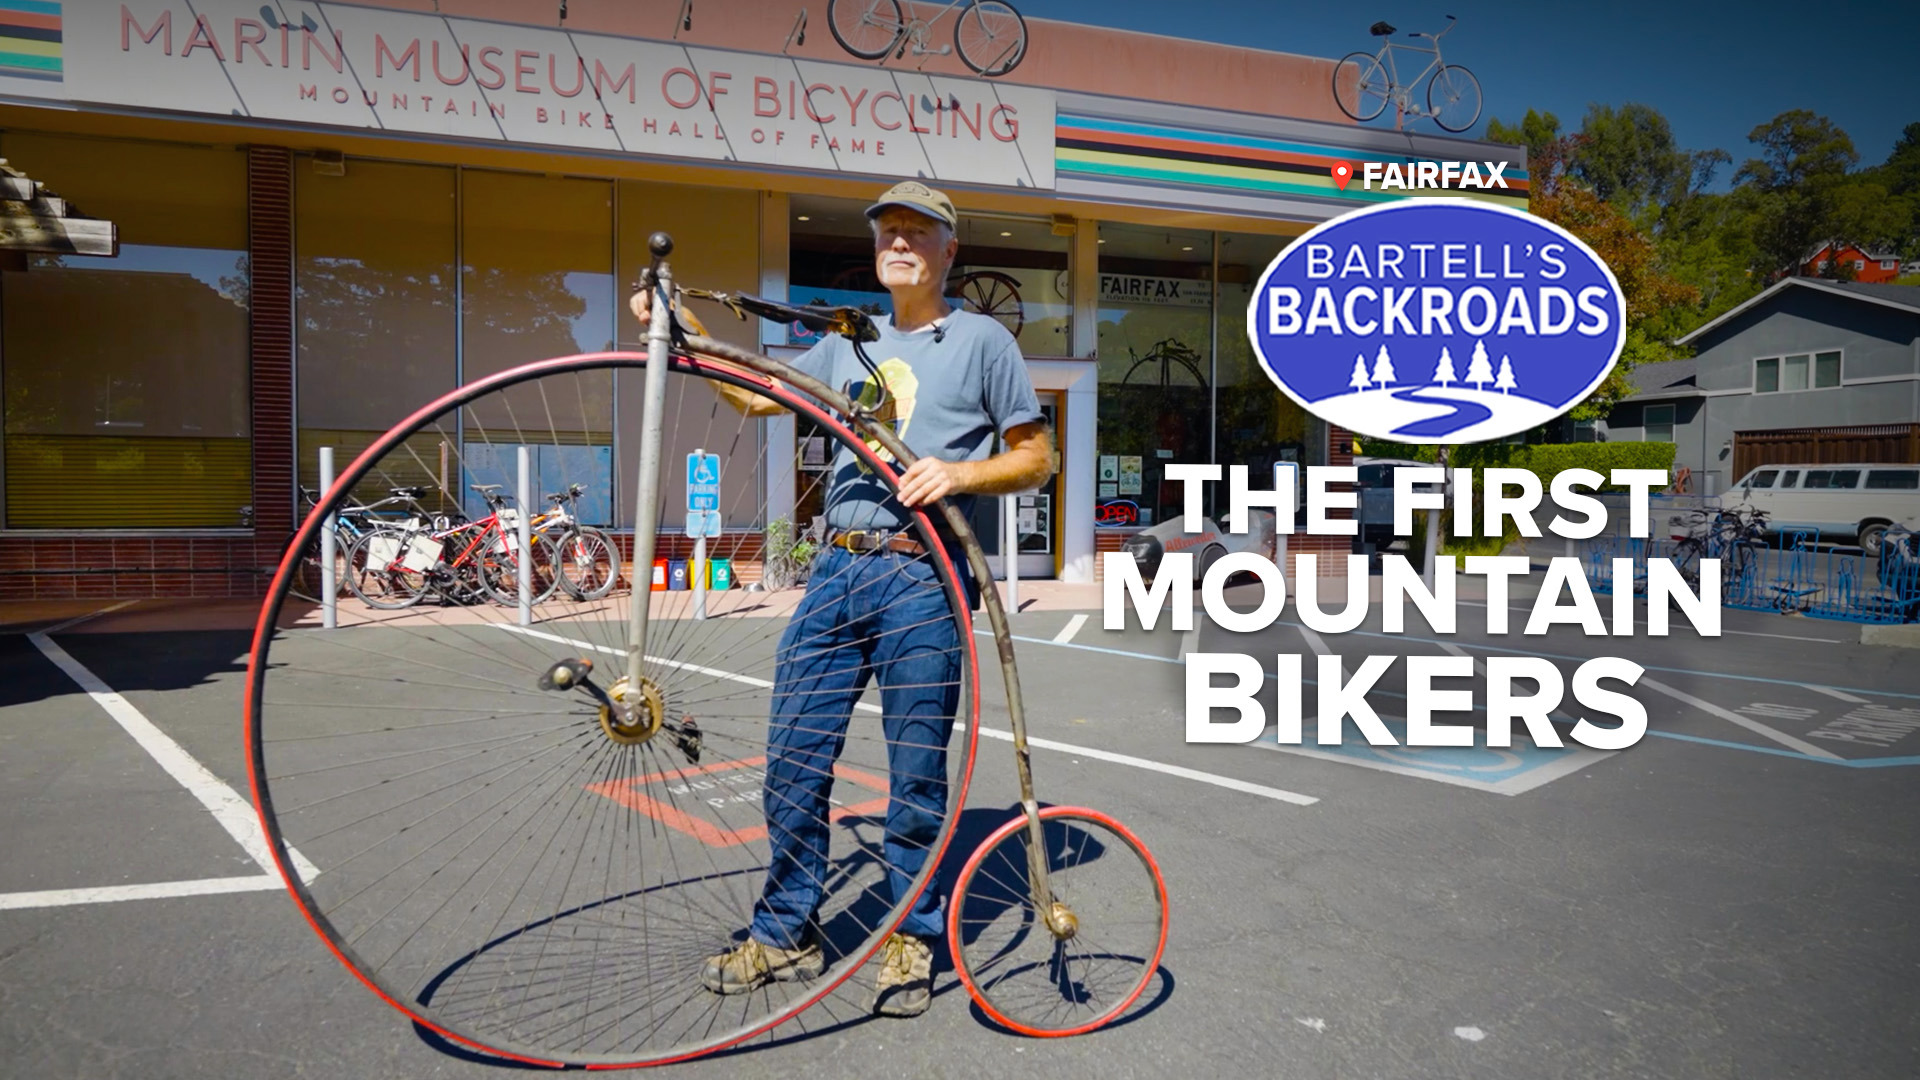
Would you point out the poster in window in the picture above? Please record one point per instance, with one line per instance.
(1109, 491)
(1130, 474)
(1109, 468)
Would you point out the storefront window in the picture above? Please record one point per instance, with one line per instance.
(1254, 423)
(374, 298)
(1013, 269)
(1156, 371)
(537, 256)
(126, 378)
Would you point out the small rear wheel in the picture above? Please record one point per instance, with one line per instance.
(1087, 958)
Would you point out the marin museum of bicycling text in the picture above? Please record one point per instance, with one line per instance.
(245, 233)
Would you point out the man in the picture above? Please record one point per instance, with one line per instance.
(954, 381)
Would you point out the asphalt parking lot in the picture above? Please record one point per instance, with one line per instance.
(1734, 896)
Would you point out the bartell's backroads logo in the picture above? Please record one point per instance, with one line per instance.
(1437, 321)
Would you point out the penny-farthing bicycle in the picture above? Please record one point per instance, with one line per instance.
(529, 836)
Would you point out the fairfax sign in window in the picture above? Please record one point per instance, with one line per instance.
(1778, 374)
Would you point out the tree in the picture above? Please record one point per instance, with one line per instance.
(1479, 371)
(1383, 368)
(1504, 382)
(1444, 374)
(1359, 379)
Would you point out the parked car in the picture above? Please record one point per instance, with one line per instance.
(1149, 547)
(1375, 512)
(1846, 503)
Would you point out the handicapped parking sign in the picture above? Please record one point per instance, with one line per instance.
(703, 481)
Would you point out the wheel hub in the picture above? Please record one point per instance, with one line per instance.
(635, 713)
(1062, 921)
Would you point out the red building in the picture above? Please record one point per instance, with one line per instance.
(1870, 267)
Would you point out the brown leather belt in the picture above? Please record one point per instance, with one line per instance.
(868, 541)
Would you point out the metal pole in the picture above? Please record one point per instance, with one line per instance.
(1433, 522)
(698, 569)
(329, 607)
(526, 536)
(1010, 549)
(646, 511)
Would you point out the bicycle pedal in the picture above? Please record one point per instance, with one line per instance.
(687, 737)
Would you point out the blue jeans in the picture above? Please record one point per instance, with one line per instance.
(882, 614)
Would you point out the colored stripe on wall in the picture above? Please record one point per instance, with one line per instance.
(30, 39)
(1119, 149)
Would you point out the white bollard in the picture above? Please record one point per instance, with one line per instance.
(329, 588)
(526, 536)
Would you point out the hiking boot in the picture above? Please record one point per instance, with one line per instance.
(751, 965)
(906, 977)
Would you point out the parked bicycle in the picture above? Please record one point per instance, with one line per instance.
(397, 566)
(989, 35)
(1734, 536)
(350, 524)
(531, 840)
(1364, 84)
(589, 561)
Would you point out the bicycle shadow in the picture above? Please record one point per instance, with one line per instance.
(842, 931)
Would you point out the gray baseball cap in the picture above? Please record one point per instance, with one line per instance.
(915, 195)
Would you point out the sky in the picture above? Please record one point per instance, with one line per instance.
(1715, 70)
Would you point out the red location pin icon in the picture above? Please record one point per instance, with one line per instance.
(1342, 173)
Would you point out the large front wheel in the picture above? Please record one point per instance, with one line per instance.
(525, 870)
(990, 37)
(1076, 959)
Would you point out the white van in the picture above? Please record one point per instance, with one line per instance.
(1847, 503)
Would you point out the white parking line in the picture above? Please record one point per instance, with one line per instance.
(1314, 641)
(1109, 756)
(1750, 724)
(1073, 627)
(233, 813)
(110, 893)
(1841, 694)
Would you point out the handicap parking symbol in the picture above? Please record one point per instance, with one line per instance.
(1508, 770)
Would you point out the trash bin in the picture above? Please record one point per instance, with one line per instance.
(677, 575)
(722, 574)
(659, 575)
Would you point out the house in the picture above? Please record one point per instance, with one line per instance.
(1869, 267)
(1809, 369)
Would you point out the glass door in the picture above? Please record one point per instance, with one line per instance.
(1038, 511)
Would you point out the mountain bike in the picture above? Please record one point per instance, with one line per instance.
(989, 35)
(1364, 84)
(529, 839)
(588, 560)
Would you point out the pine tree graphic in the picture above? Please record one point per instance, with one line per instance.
(1504, 383)
(1479, 371)
(1444, 374)
(1359, 380)
(1383, 368)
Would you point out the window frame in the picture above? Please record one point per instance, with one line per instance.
(1779, 362)
(1646, 421)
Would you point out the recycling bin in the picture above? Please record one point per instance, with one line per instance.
(677, 575)
(659, 575)
(721, 576)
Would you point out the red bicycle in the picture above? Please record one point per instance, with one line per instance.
(396, 567)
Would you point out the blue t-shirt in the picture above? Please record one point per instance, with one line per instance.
(950, 398)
